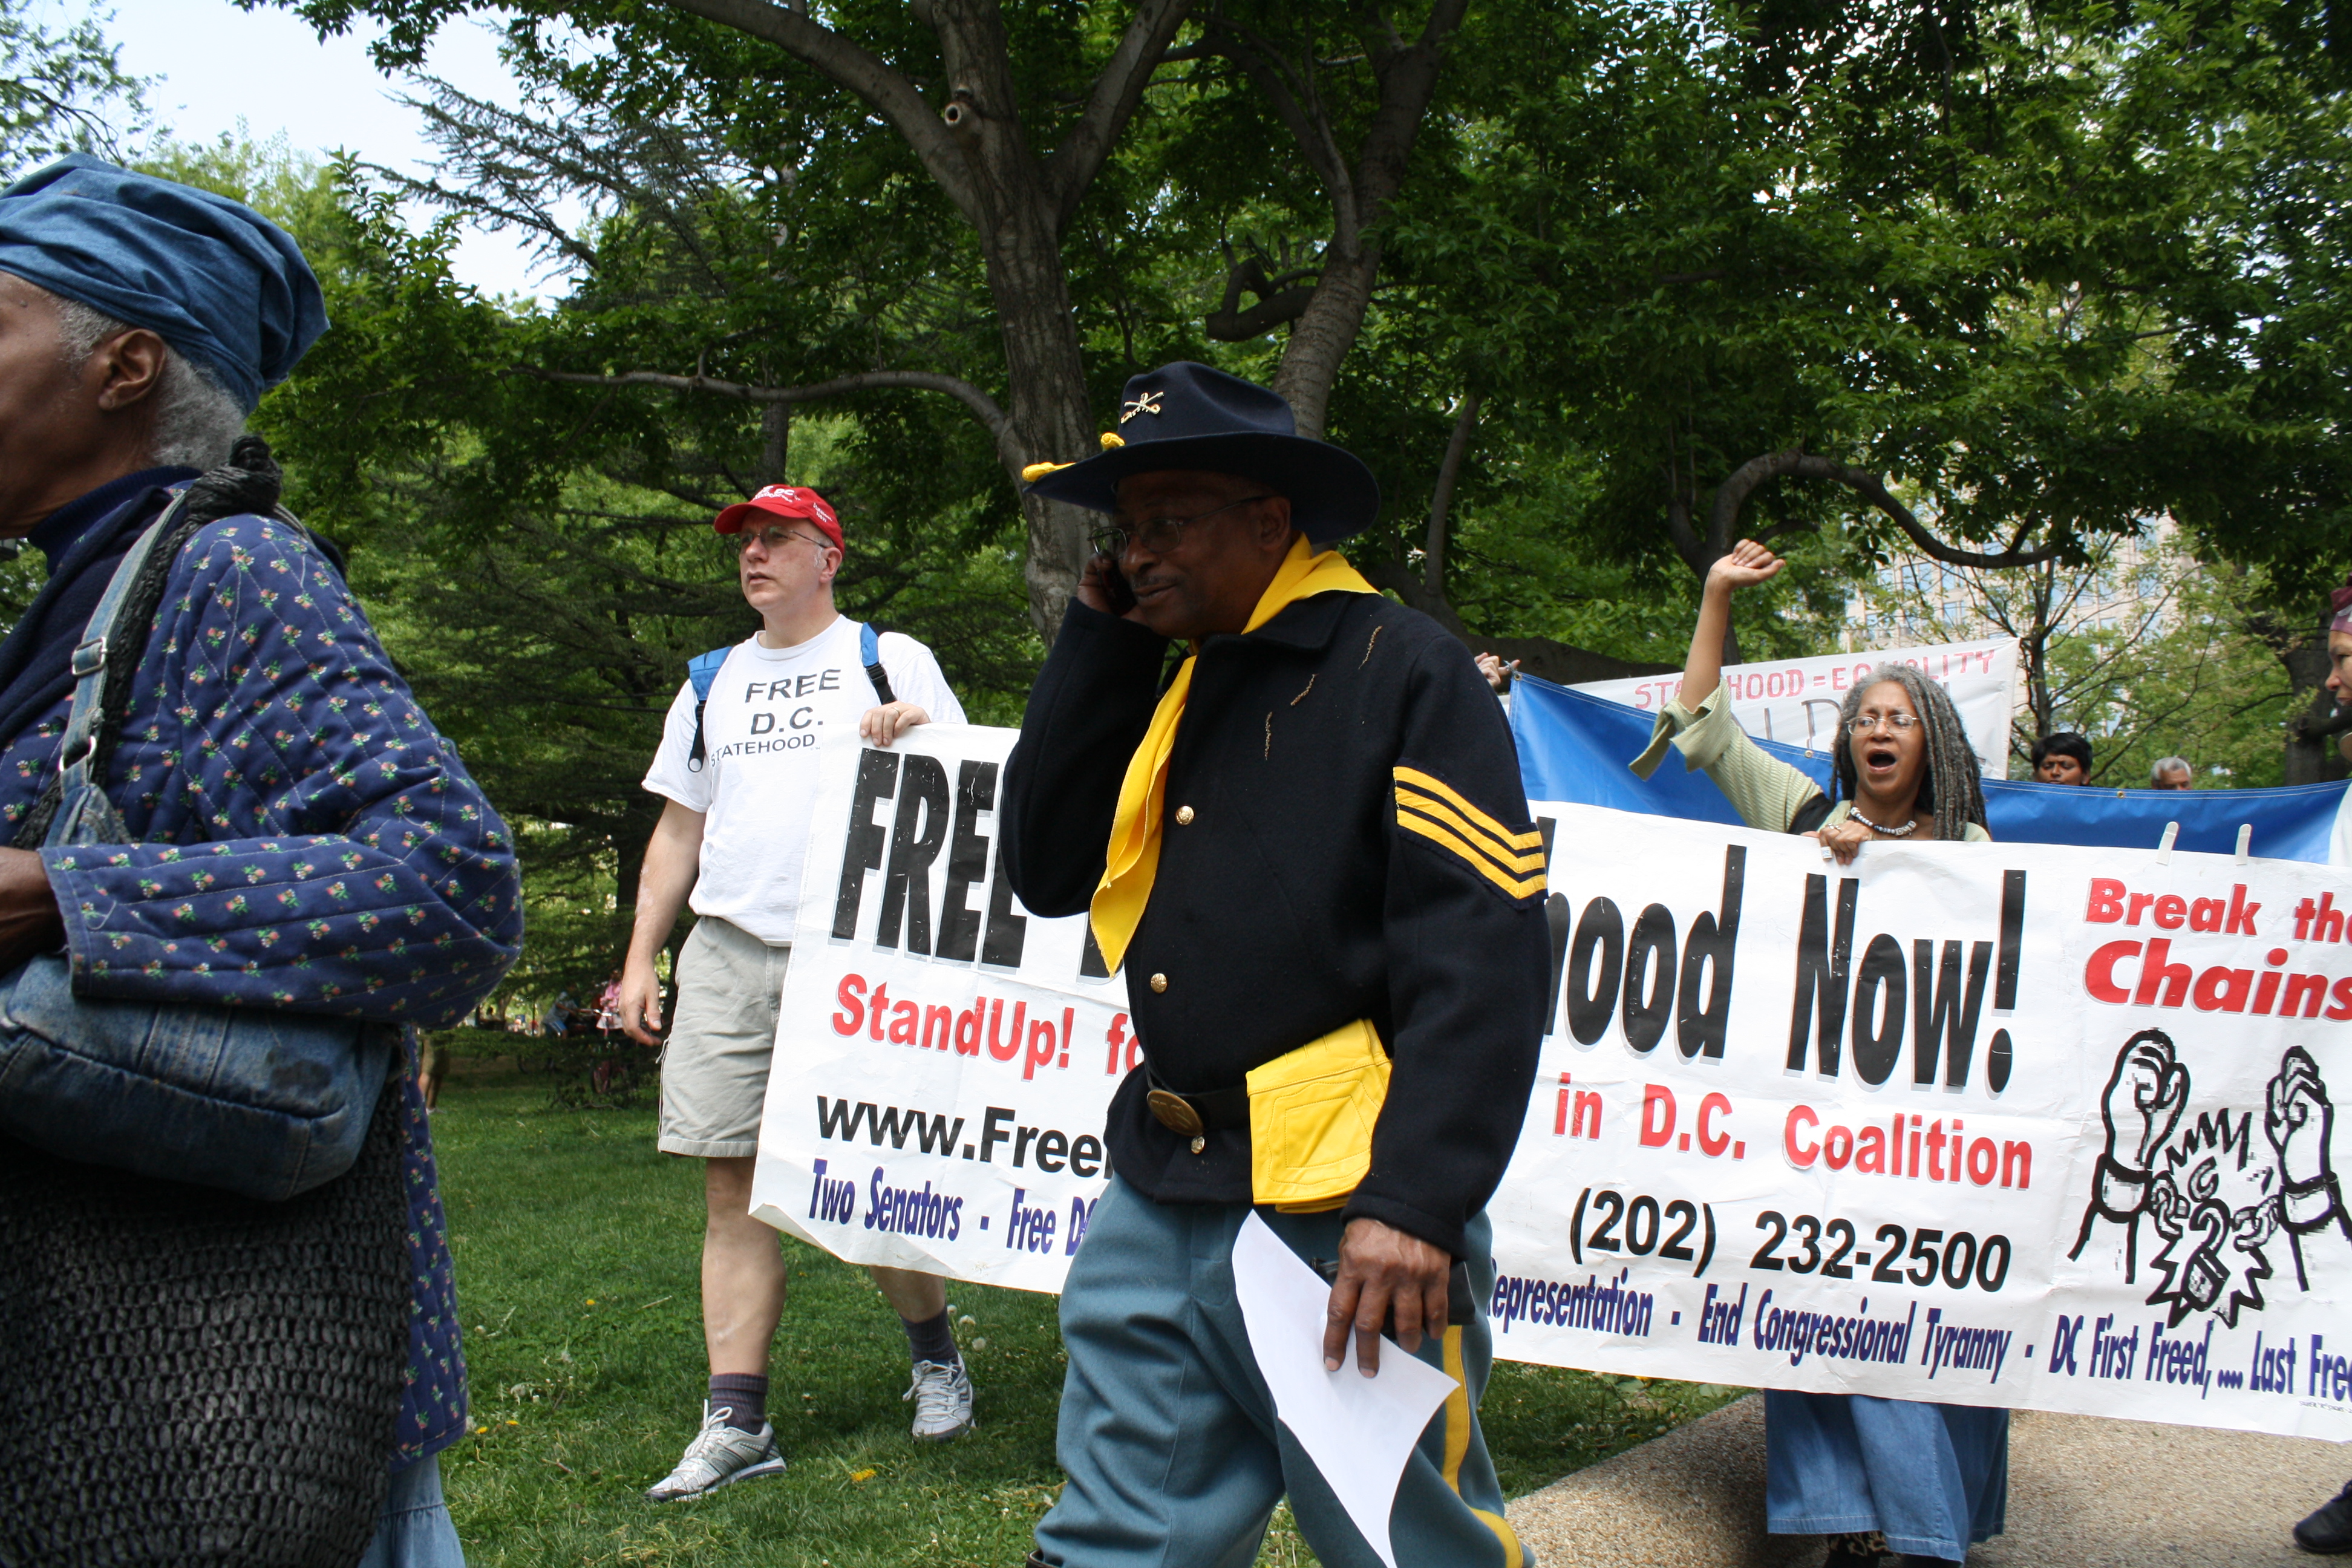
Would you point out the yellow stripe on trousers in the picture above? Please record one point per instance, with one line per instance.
(1458, 1447)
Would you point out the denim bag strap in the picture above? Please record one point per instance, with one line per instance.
(85, 814)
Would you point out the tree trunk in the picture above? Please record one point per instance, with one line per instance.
(2033, 656)
(775, 442)
(1407, 74)
(629, 840)
(2312, 756)
(2034, 652)
(1020, 233)
(1051, 422)
(978, 152)
(1325, 331)
(1440, 497)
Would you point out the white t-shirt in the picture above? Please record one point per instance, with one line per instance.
(769, 711)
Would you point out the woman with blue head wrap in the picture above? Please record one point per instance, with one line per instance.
(217, 281)
(140, 321)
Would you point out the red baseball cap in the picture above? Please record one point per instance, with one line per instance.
(784, 500)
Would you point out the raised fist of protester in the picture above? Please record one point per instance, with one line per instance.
(29, 922)
(2297, 1118)
(2144, 1097)
(1747, 564)
(1382, 1271)
(881, 726)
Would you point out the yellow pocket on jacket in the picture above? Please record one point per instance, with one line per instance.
(1311, 1116)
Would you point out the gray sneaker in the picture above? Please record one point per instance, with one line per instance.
(942, 1396)
(718, 1454)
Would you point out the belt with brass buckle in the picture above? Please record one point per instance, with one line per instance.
(1194, 1116)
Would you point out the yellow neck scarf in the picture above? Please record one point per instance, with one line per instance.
(1134, 858)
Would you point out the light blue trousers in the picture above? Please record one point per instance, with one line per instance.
(1933, 1478)
(415, 1531)
(1168, 1434)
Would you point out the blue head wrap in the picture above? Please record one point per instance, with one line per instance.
(211, 277)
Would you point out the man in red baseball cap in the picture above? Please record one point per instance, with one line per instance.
(737, 770)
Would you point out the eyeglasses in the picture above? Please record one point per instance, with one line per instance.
(1157, 534)
(775, 536)
(1900, 724)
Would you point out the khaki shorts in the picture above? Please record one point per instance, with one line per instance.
(714, 1070)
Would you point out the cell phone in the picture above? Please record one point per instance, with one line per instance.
(1114, 585)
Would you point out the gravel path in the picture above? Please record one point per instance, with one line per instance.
(2084, 1493)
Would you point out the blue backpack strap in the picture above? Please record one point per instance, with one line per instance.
(869, 652)
(702, 671)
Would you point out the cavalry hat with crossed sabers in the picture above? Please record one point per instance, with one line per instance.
(1187, 415)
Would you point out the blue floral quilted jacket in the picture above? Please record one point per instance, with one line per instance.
(306, 840)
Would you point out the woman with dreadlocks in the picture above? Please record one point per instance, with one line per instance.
(1904, 767)
(1880, 1477)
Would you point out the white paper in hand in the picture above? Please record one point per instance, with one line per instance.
(1358, 1430)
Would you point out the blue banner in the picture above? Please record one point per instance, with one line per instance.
(1573, 747)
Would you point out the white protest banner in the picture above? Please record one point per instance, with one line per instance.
(1974, 1123)
(1795, 700)
(2010, 1125)
(945, 1059)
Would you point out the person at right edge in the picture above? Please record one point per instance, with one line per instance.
(1879, 1477)
(1309, 847)
(2327, 1530)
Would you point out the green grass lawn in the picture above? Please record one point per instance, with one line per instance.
(577, 1250)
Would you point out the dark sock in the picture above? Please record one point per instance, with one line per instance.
(932, 1339)
(744, 1398)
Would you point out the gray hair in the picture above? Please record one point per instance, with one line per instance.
(198, 419)
(1952, 789)
(2169, 765)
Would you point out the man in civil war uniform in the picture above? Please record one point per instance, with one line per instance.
(1308, 846)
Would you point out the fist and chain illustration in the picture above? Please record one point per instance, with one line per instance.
(2217, 1195)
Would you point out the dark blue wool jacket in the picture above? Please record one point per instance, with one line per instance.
(1346, 837)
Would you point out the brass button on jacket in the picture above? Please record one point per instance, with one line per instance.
(1183, 817)
(1159, 982)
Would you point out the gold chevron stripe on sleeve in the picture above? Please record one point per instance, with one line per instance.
(1512, 869)
(1454, 797)
(1445, 838)
(1533, 860)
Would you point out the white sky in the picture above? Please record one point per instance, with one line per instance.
(220, 65)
